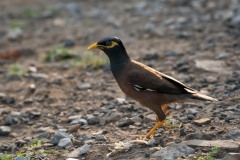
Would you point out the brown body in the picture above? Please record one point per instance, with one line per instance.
(152, 100)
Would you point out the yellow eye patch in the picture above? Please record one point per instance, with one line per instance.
(111, 45)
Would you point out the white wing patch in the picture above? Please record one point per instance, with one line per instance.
(139, 88)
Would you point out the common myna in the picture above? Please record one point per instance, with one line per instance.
(151, 88)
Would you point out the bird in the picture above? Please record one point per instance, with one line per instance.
(151, 88)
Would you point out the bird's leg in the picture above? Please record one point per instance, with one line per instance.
(156, 126)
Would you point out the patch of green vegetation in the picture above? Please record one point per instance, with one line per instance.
(30, 13)
(59, 53)
(82, 59)
(6, 156)
(171, 124)
(16, 24)
(211, 155)
(35, 150)
(16, 69)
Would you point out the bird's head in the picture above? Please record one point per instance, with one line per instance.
(110, 45)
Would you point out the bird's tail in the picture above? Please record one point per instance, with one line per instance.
(199, 96)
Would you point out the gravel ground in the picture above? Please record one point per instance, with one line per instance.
(60, 101)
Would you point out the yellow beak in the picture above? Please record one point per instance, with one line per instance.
(94, 45)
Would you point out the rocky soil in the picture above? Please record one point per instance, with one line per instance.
(60, 101)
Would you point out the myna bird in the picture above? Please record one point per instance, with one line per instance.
(151, 88)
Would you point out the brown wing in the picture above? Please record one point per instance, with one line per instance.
(144, 78)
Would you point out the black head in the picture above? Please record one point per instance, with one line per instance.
(114, 49)
(110, 45)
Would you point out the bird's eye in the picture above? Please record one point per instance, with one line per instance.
(109, 43)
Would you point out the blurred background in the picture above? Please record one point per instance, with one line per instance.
(49, 81)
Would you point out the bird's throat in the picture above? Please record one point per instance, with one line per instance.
(118, 62)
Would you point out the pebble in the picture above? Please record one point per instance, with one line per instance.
(20, 158)
(192, 111)
(173, 53)
(10, 100)
(202, 136)
(79, 151)
(233, 134)
(100, 137)
(235, 22)
(15, 114)
(58, 136)
(226, 144)
(14, 34)
(5, 130)
(202, 121)
(211, 79)
(173, 151)
(64, 142)
(121, 100)
(84, 86)
(8, 121)
(125, 122)
(80, 121)
(72, 159)
(114, 116)
(232, 156)
(92, 120)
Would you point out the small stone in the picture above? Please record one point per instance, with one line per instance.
(72, 159)
(68, 43)
(226, 144)
(5, 130)
(202, 121)
(80, 121)
(14, 34)
(192, 111)
(233, 134)
(235, 22)
(32, 69)
(114, 116)
(84, 86)
(7, 121)
(173, 53)
(120, 100)
(158, 141)
(202, 136)
(20, 158)
(15, 114)
(58, 136)
(150, 118)
(232, 156)
(173, 151)
(64, 142)
(74, 117)
(100, 137)
(125, 123)
(92, 120)
(34, 114)
(79, 151)
(32, 87)
(10, 100)
(211, 79)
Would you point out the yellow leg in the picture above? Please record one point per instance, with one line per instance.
(157, 125)
(164, 108)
